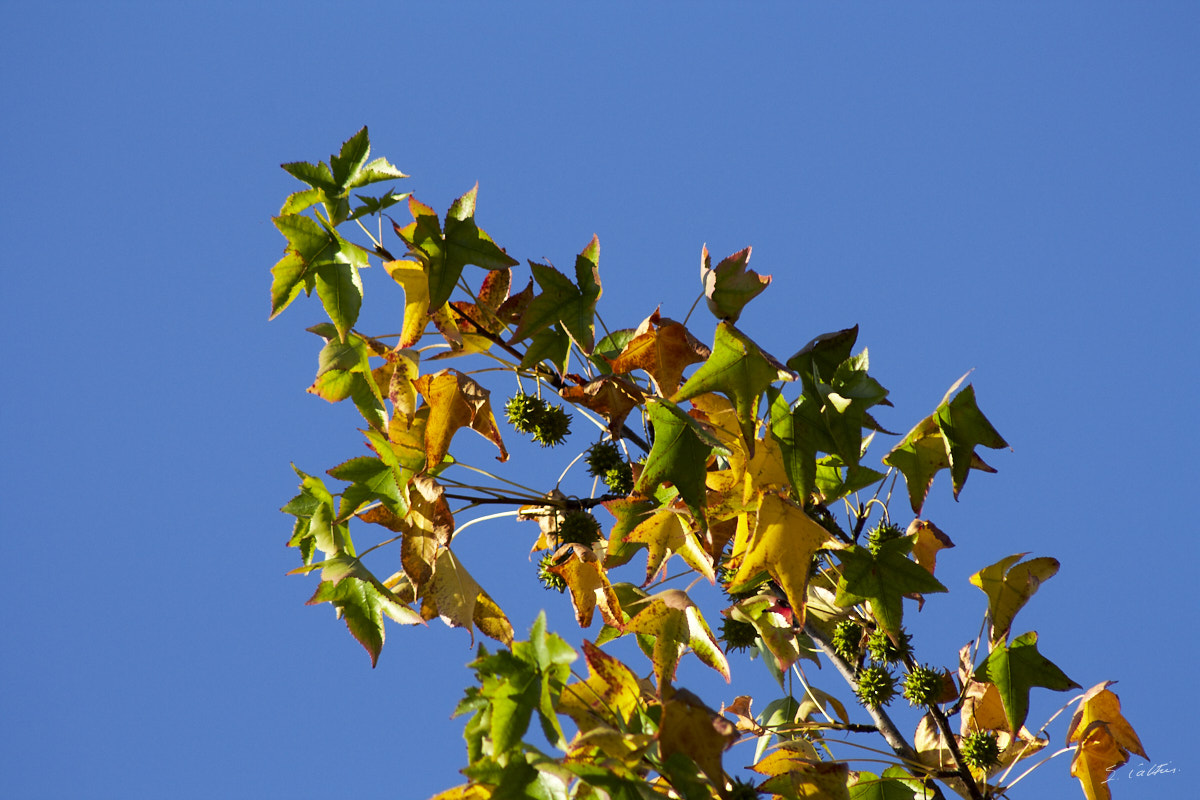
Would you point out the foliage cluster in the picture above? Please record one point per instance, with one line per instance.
(739, 469)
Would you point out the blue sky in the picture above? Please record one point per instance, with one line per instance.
(1010, 188)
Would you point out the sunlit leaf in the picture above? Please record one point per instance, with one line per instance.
(1009, 585)
(730, 285)
(1015, 669)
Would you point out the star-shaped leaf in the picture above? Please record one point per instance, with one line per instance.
(1105, 740)
(443, 254)
(675, 623)
(882, 580)
(588, 584)
(363, 604)
(739, 369)
(730, 285)
(679, 454)
(782, 545)
(573, 305)
(455, 596)
(1009, 585)
(610, 397)
(665, 533)
(662, 348)
(1015, 669)
(690, 727)
(608, 697)
(332, 183)
(946, 438)
(456, 401)
(318, 258)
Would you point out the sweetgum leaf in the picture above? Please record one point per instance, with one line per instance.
(730, 285)
(739, 369)
(946, 438)
(572, 305)
(680, 451)
(1015, 669)
(882, 580)
(675, 623)
(1009, 585)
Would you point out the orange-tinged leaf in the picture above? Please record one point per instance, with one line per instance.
(775, 629)
(662, 348)
(589, 585)
(468, 791)
(427, 527)
(745, 717)
(796, 771)
(690, 727)
(1009, 586)
(455, 401)
(612, 398)
(665, 533)
(782, 545)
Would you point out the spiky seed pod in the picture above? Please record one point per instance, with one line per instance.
(884, 650)
(601, 457)
(619, 479)
(578, 527)
(737, 635)
(743, 790)
(883, 532)
(550, 580)
(980, 750)
(552, 426)
(847, 640)
(523, 411)
(922, 686)
(876, 686)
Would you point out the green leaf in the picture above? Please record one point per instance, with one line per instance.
(946, 438)
(739, 369)
(573, 305)
(1009, 585)
(362, 605)
(443, 255)
(370, 480)
(376, 205)
(1014, 669)
(874, 787)
(883, 579)
(819, 359)
(679, 454)
(730, 285)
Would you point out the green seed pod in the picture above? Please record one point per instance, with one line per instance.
(549, 579)
(980, 750)
(578, 527)
(552, 426)
(876, 686)
(883, 532)
(737, 635)
(922, 686)
(884, 650)
(523, 411)
(847, 640)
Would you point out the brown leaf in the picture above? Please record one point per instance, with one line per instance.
(930, 539)
(611, 397)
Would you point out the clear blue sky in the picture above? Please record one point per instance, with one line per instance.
(1008, 187)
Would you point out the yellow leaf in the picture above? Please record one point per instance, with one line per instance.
(1096, 757)
(413, 278)
(468, 791)
(665, 533)
(929, 540)
(455, 401)
(795, 770)
(1099, 703)
(589, 585)
(782, 545)
(676, 624)
(662, 348)
(460, 602)
(427, 528)
(1009, 587)
(608, 697)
